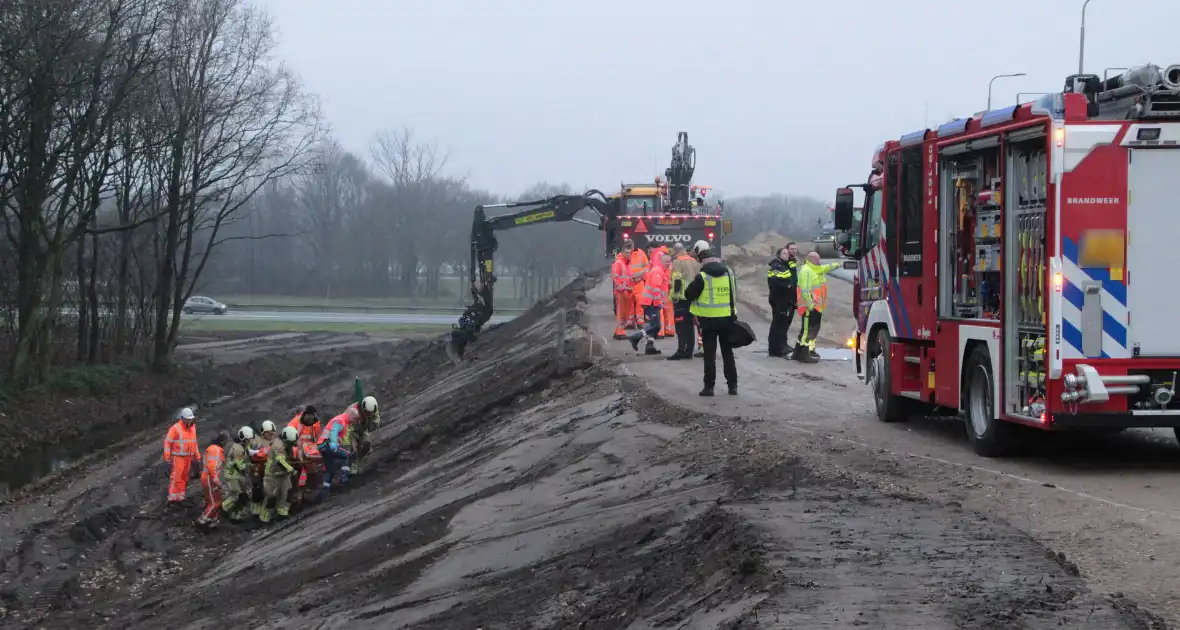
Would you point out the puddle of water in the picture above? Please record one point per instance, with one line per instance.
(835, 354)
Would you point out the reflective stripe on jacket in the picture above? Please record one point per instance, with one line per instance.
(306, 433)
(813, 286)
(212, 462)
(620, 274)
(655, 287)
(181, 441)
(335, 432)
(638, 266)
(684, 269)
(237, 463)
(276, 460)
(716, 299)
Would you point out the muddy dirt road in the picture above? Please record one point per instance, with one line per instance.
(1109, 504)
(542, 484)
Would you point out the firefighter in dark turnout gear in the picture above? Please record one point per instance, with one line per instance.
(782, 278)
(711, 295)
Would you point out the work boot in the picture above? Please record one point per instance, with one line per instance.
(699, 354)
(733, 390)
(678, 356)
(802, 355)
(634, 343)
(620, 335)
(264, 514)
(707, 391)
(651, 350)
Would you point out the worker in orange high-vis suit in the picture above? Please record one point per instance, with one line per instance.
(655, 293)
(307, 424)
(180, 450)
(667, 317)
(624, 302)
(212, 466)
(639, 267)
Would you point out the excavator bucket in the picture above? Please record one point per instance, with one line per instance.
(456, 345)
(454, 352)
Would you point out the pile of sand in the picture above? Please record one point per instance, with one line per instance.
(764, 245)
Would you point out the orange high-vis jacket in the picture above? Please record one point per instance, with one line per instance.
(655, 287)
(638, 266)
(214, 456)
(621, 274)
(306, 433)
(181, 441)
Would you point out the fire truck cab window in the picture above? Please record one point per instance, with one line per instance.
(910, 212)
(873, 231)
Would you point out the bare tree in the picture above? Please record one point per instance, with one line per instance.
(236, 120)
(70, 66)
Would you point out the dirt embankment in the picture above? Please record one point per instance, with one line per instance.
(540, 486)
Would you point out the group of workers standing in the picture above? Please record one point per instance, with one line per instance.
(298, 464)
(677, 292)
(692, 294)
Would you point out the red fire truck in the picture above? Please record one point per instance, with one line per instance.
(1016, 266)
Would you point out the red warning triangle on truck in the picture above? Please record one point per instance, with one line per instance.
(641, 228)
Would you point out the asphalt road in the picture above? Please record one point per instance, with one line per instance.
(304, 317)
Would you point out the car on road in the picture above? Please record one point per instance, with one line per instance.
(201, 304)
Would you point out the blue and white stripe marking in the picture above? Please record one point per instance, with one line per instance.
(1114, 307)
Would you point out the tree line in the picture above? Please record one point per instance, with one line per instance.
(152, 149)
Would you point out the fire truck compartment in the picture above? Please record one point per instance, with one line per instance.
(1153, 257)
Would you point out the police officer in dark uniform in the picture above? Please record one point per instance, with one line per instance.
(782, 278)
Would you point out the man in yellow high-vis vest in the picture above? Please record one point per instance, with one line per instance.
(711, 297)
(813, 299)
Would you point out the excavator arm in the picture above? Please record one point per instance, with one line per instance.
(484, 244)
(679, 174)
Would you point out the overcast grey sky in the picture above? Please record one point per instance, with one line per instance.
(777, 96)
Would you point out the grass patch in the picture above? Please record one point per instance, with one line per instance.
(77, 380)
(214, 324)
(454, 296)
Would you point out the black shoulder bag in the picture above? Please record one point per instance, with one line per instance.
(738, 334)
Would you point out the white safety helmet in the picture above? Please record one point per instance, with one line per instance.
(268, 426)
(187, 414)
(290, 434)
(369, 404)
(245, 433)
(700, 246)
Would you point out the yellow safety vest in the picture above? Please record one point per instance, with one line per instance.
(716, 299)
(812, 292)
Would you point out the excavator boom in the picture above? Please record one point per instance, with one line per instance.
(484, 245)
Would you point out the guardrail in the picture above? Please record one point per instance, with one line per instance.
(359, 308)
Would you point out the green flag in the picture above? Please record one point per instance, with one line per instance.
(358, 390)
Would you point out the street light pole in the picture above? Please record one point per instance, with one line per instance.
(1082, 38)
(999, 76)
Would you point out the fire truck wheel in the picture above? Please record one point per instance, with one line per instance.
(890, 408)
(990, 436)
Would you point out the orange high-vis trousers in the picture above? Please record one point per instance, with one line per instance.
(636, 307)
(212, 498)
(667, 320)
(178, 484)
(624, 311)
